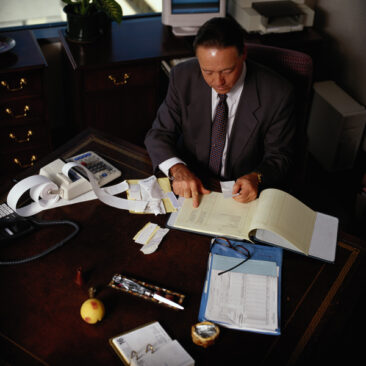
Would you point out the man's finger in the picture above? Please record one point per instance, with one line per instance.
(204, 190)
(187, 193)
(195, 199)
(236, 188)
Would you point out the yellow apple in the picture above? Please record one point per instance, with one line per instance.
(92, 310)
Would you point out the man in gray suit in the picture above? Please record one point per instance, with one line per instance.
(259, 123)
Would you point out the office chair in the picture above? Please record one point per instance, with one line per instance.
(297, 67)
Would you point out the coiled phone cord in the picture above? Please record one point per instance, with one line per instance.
(52, 248)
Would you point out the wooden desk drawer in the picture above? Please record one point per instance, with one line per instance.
(19, 137)
(121, 77)
(127, 114)
(19, 160)
(20, 84)
(21, 110)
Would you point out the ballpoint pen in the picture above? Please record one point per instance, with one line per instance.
(133, 286)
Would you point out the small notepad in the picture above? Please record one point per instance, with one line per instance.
(150, 345)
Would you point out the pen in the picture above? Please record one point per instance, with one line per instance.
(136, 287)
(167, 301)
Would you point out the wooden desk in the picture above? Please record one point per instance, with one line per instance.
(114, 82)
(40, 322)
(24, 134)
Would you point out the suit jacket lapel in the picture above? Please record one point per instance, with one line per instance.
(245, 120)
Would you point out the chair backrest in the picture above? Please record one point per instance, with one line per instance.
(297, 67)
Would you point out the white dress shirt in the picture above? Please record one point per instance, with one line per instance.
(233, 97)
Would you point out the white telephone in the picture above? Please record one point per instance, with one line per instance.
(75, 183)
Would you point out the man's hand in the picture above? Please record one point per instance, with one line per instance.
(186, 184)
(247, 187)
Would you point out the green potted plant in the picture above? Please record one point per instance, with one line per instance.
(87, 20)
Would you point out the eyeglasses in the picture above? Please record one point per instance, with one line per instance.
(240, 248)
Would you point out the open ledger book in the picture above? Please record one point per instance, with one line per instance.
(275, 218)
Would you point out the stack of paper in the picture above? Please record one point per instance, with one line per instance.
(243, 300)
(247, 297)
(156, 192)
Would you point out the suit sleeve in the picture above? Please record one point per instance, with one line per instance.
(278, 144)
(161, 139)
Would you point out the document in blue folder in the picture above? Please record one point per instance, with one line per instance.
(247, 297)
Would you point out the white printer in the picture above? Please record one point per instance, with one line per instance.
(276, 16)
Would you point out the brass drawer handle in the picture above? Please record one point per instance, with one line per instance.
(122, 81)
(22, 84)
(32, 160)
(20, 141)
(22, 115)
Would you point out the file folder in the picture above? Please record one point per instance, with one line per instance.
(265, 263)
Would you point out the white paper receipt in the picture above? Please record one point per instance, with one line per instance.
(150, 236)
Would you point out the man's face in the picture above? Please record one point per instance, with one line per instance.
(221, 67)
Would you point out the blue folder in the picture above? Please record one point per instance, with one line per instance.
(258, 263)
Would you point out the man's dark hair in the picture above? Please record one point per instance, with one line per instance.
(221, 33)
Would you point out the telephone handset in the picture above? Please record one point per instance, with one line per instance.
(12, 225)
(75, 183)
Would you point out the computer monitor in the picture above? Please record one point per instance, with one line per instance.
(186, 16)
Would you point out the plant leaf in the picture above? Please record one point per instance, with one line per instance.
(112, 9)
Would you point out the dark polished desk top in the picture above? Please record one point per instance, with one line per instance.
(27, 55)
(146, 38)
(135, 39)
(40, 321)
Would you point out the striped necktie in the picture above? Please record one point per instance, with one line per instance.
(218, 135)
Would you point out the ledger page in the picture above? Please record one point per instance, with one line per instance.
(289, 218)
(216, 215)
(243, 301)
